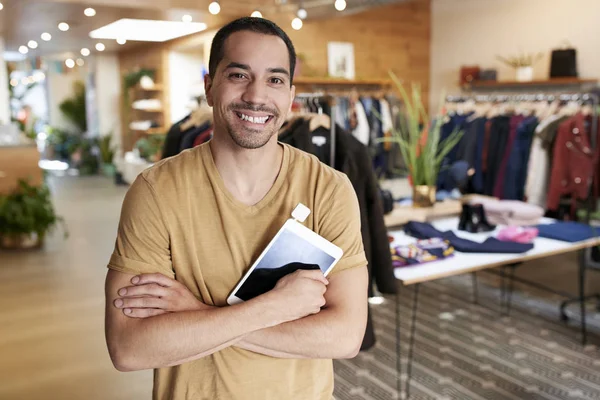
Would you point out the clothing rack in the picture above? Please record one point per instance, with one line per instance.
(583, 97)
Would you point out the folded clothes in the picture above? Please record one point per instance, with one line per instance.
(517, 234)
(422, 251)
(510, 212)
(422, 230)
(568, 231)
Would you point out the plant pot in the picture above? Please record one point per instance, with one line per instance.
(22, 241)
(423, 196)
(108, 169)
(524, 74)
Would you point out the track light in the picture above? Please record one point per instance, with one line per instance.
(187, 18)
(89, 12)
(32, 44)
(340, 5)
(85, 52)
(302, 14)
(46, 37)
(63, 26)
(214, 8)
(23, 49)
(297, 23)
(256, 14)
(100, 46)
(69, 63)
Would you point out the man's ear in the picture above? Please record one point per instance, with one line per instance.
(292, 96)
(208, 89)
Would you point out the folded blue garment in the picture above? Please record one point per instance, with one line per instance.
(422, 230)
(568, 231)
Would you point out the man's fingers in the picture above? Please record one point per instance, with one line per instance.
(143, 312)
(139, 302)
(150, 289)
(315, 274)
(144, 279)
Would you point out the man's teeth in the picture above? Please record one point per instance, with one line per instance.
(254, 120)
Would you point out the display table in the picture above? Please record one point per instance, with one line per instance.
(462, 263)
(19, 162)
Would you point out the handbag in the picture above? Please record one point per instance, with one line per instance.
(563, 62)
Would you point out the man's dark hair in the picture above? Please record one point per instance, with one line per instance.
(252, 24)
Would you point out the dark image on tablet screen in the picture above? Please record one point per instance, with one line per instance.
(288, 253)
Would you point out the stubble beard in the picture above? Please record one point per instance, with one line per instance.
(249, 138)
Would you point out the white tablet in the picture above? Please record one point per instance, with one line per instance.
(294, 247)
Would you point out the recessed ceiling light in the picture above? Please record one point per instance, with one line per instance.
(69, 63)
(63, 26)
(1, 6)
(80, 62)
(46, 36)
(100, 46)
(214, 8)
(13, 82)
(302, 14)
(89, 12)
(256, 14)
(121, 41)
(340, 5)
(296, 23)
(186, 18)
(23, 49)
(32, 44)
(146, 30)
(85, 52)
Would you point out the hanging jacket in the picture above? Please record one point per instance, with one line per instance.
(352, 158)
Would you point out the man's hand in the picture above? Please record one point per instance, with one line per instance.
(299, 294)
(156, 294)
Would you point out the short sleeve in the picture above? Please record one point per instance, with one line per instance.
(142, 244)
(340, 224)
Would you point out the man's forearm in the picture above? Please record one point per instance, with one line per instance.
(323, 335)
(174, 338)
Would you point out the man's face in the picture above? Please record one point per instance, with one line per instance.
(250, 93)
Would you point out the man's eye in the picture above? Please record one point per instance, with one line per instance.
(277, 81)
(237, 76)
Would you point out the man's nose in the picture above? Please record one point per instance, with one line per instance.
(255, 93)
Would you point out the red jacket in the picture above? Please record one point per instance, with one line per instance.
(574, 161)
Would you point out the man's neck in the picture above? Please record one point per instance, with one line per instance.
(247, 174)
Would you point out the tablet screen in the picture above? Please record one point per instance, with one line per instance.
(288, 253)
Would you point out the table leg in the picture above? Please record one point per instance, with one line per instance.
(411, 345)
(398, 347)
(582, 296)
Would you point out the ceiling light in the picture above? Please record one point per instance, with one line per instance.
(121, 41)
(146, 30)
(186, 18)
(80, 62)
(24, 80)
(296, 23)
(46, 36)
(39, 76)
(69, 63)
(13, 82)
(23, 50)
(63, 26)
(302, 14)
(340, 5)
(100, 46)
(214, 8)
(85, 52)
(32, 44)
(89, 12)
(1, 6)
(256, 14)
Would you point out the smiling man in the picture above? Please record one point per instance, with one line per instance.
(193, 224)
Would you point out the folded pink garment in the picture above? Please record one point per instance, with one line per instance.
(517, 234)
(510, 212)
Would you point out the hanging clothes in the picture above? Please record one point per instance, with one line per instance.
(361, 130)
(516, 167)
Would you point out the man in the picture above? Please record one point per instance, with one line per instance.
(193, 224)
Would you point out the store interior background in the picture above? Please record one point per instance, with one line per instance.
(52, 300)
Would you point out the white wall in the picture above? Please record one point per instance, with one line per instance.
(108, 95)
(4, 94)
(474, 32)
(60, 87)
(185, 80)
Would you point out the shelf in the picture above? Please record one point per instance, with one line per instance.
(340, 81)
(152, 131)
(539, 83)
(150, 110)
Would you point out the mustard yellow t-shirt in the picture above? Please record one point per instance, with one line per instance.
(179, 219)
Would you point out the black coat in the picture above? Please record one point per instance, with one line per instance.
(353, 159)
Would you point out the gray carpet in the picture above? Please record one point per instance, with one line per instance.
(469, 351)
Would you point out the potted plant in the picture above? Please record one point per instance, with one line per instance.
(107, 154)
(523, 65)
(418, 138)
(27, 216)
